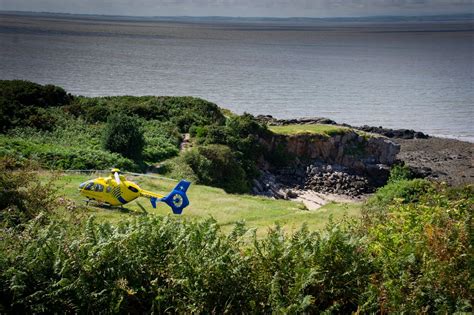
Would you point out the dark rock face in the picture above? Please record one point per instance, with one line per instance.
(320, 177)
(347, 164)
(350, 150)
(394, 133)
(336, 180)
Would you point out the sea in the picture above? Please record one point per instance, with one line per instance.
(415, 74)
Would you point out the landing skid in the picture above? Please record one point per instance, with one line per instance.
(98, 204)
(102, 205)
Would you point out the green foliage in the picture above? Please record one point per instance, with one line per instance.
(423, 251)
(54, 156)
(312, 272)
(321, 129)
(24, 103)
(183, 112)
(22, 194)
(177, 168)
(161, 140)
(405, 191)
(216, 165)
(165, 265)
(399, 172)
(242, 134)
(413, 257)
(27, 93)
(123, 134)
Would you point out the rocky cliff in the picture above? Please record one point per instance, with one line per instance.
(348, 163)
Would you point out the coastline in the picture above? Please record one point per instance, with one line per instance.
(443, 159)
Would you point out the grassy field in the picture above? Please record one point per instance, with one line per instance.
(327, 130)
(227, 209)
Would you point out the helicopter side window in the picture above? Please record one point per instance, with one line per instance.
(109, 189)
(133, 189)
(89, 186)
(99, 188)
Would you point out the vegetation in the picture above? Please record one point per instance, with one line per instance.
(408, 256)
(24, 103)
(22, 194)
(123, 135)
(320, 129)
(409, 251)
(45, 124)
(227, 209)
(215, 165)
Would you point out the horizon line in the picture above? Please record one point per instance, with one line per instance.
(467, 15)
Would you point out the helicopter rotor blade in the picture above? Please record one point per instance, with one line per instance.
(123, 172)
(117, 178)
(151, 176)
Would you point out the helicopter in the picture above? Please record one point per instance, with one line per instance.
(115, 190)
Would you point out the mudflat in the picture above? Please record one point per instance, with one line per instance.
(448, 160)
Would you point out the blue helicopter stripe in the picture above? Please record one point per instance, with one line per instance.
(121, 200)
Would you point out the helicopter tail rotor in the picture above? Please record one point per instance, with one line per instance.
(176, 199)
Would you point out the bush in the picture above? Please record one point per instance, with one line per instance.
(417, 259)
(27, 93)
(183, 112)
(242, 134)
(421, 250)
(399, 172)
(23, 103)
(123, 135)
(162, 141)
(216, 165)
(55, 156)
(157, 264)
(22, 194)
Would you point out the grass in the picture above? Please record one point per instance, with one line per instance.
(321, 129)
(258, 212)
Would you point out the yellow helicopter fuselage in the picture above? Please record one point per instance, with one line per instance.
(107, 190)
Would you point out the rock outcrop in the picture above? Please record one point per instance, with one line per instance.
(347, 164)
(386, 132)
(394, 133)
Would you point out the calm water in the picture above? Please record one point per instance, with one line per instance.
(403, 76)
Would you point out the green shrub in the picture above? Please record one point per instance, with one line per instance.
(216, 165)
(417, 259)
(23, 103)
(22, 194)
(27, 93)
(123, 135)
(177, 168)
(242, 134)
(422, 251)
(405, 191)
(183, 112)
(162, 141)
(54, 156)
(311, 272)
(399, 172)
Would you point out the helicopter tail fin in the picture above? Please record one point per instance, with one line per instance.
(176, 199)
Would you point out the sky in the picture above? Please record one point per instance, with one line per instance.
(245, 8)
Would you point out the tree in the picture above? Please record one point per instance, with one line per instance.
(123, 134)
